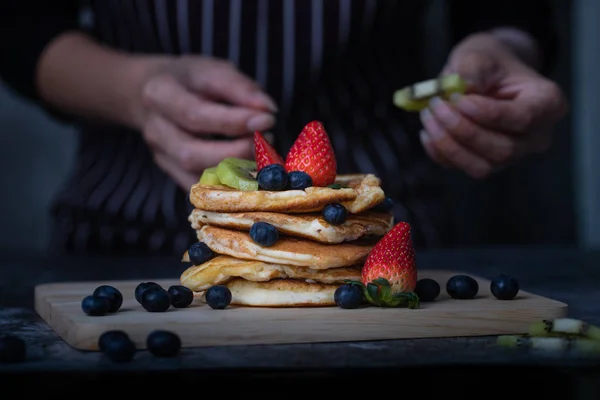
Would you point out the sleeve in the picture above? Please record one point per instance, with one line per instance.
(537, 17)
(26, 28)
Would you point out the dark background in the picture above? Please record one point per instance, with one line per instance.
(530, 204)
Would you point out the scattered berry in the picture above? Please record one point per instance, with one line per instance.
(218, 297)
(335, 214)
(462, 287)
(504, 287)
(156, 300)
(272, 177)
(299, 180)
(108, 336)
(163, 343)
(385, 206)
(181, 296)
(142, 287)
(348, 296)
(12, 349)
(95, 305)
(199, 253)
(113, 294)
(264, 234)
(427, 289)
(117, 347)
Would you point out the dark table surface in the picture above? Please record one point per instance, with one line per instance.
(568, 275)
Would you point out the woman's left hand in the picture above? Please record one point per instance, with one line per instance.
(509, 110)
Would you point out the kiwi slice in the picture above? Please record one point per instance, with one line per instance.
(209, 177)
(237, 173)
(417, 96)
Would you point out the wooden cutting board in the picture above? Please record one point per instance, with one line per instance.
(59, 304)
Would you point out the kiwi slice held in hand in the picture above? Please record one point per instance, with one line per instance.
(209, 177)
(237, 173)
(416, 97)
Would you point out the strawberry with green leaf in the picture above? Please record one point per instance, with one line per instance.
(389, 275)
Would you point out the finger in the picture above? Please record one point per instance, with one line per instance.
(457, 155)
(521, 114)
(195, 114)
(191, 153)
(430, 150)
(222, 80)
(493, 146)
(184, 179)
(479, 70)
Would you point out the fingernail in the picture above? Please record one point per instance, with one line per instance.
(435, 102)
(262, 98)
(424, 137)
(426, 114)
(454, 97)
(467, 106)
(444, 113)
(260, 122)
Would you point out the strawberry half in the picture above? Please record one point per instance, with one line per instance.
(312, 153)
(264, 153)
(389, 275)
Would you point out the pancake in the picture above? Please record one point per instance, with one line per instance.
(281, 293)
(364, 192)
(310, 226)
(222, 269)
(287, 250)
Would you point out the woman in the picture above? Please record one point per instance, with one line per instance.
(162, 89)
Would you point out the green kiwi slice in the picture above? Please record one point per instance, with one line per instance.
(237, 173)
(209, 177)
(416, 97)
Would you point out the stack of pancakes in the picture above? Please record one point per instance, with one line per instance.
(310, 259)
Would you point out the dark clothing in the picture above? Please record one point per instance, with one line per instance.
(337, 61)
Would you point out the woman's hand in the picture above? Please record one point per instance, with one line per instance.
(508, 112)
(184, 101)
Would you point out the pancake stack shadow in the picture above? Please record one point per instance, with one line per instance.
(276, 249)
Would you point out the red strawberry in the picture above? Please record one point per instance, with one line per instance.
(312, 153)
(389, 274)
(264, 153)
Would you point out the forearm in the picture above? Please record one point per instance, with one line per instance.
(79, 76)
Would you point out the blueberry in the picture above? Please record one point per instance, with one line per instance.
(118, 348)
(199, 253)
(335, 213)
(12, 349)
(142, 287)
(385, 206)
(504, 287)
(95, 305)
(218, 297)
(462, 287)
(299, 180)
(181, 296)
(264, 234)
(348, 296)
(156, 300)
(113, 294)
(107, 336)
(272, 177)
(427, 289)
(163, 343)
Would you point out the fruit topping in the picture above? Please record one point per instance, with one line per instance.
(272, 177)
(117, 346)
(335, 213)
(427, 289)
(385, 206)
(199, 253)
(181, 296)
(389, 275)
(95, 305)
(264, 153)
(264, 234)
(504, 287)
(299, 180)
(218, 297)
(142, 287)
(12, 349)
(209, 177)
(113, 295)
(462, 287)
(348, 296)
(161, 343)
(156, 299)
(312, 153)
(237, 173)
(416, 97)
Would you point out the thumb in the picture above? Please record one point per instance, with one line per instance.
(479, 70)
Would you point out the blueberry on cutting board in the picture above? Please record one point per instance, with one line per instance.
(462, 287)
(427, 289)
(504, 287)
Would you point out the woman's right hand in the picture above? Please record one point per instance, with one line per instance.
(183, 102)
